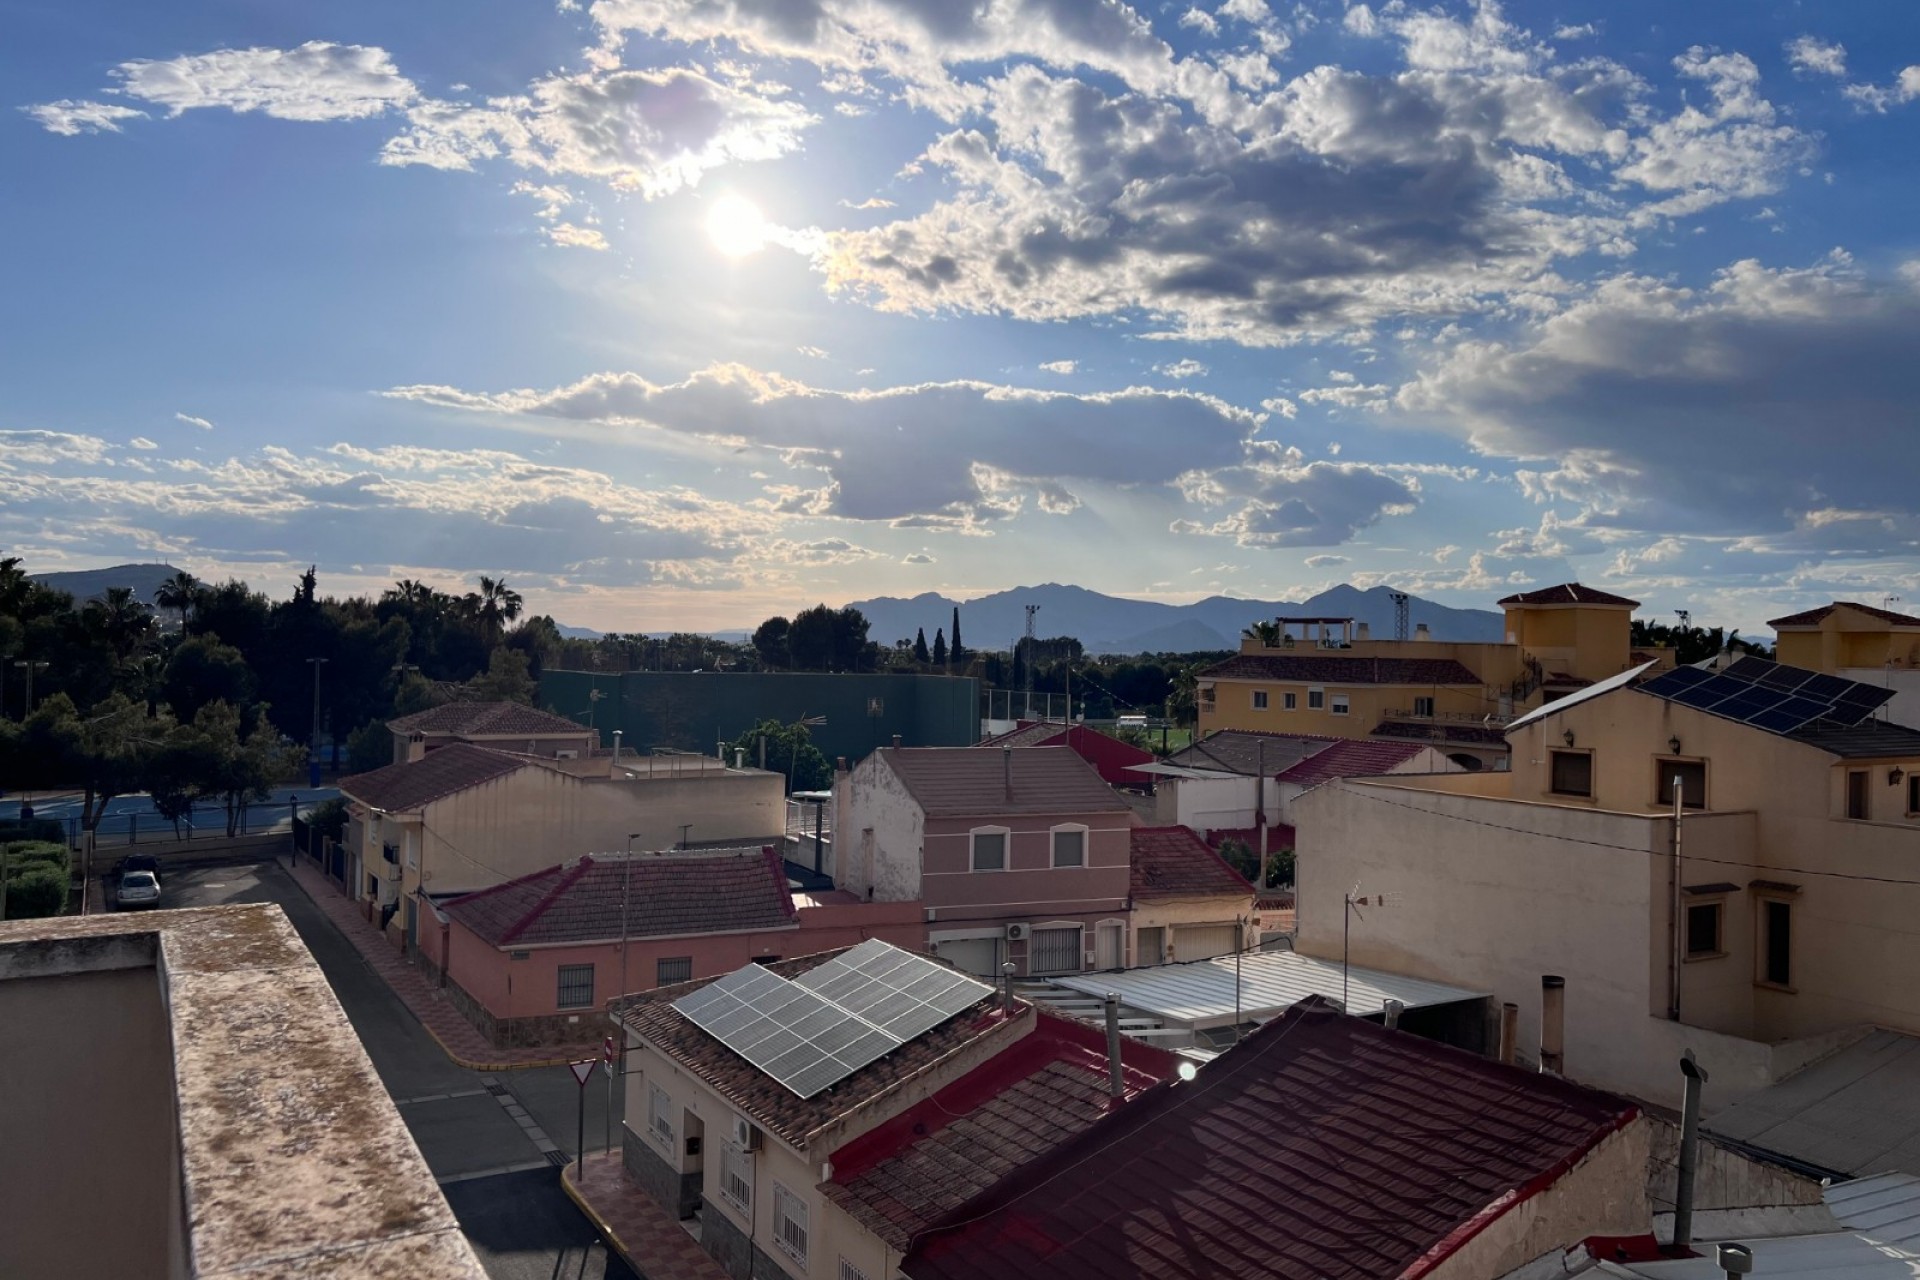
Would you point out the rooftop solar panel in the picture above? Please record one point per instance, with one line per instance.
(1751, 702)
(1778, 720)
(1681, 677)
(1824, 687)
(1767, 695)
(1698, 696)
(1788, 678)
(1752, 669)
(1866, 695)
(896, 990)
(798, 1037)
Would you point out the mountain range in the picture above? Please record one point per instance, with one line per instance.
(1113, 624)
(91, 584)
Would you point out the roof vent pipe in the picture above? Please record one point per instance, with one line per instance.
(1116, 1082)
(1509, 1032)
(1006, 769)
(1006, 991)
(1391, 1015)
(839, 764)
(1553, 1023)
(1689, 1151)
(896, 742)
(1420, 632)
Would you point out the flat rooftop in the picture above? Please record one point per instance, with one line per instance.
(184, 1097)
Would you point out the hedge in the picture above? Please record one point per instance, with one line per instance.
(39, 890)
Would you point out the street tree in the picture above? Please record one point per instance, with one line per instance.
(939, 647)
(789, 750)
(920, 653)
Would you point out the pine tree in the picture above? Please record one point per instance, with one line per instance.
(954, 649)
(920, 654)
(939, 647)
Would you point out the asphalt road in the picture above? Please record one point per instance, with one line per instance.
(481, 1132)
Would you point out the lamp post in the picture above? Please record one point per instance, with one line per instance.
(313, 745)
(29, 668)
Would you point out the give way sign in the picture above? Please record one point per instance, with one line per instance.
(582, 1070)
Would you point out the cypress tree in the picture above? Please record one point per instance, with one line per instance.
(920, 654)
(954, 648)
(939, 647)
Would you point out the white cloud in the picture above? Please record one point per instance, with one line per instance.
(1060, 366)
(1181, 369)
(1324, 562)
(1350, 395)
(192, 421)
(568, 236)
(1813, 55)
(871, 202)
(1282, 406)
(1873, 97)
(1582, 31)
(315, 81)
(1289, 504)
(1734, 149)
(1200, 20)
(68, 117)
(1359, 19)
(141, 442)
(917, 557)
(812, 353)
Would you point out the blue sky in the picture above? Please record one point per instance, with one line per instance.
(678, 313)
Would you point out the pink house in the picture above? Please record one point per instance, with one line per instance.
(1018, 854)
(535, 960)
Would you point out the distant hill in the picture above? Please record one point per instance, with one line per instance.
(1111, 624)
(92, 584)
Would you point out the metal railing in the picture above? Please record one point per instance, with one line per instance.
(203, 822)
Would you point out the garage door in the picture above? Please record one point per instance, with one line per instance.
(978, 956)
(1202, 941)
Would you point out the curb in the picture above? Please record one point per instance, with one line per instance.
(600, 1224)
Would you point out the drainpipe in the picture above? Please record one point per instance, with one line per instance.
(1006, 769)
(1509, 1032)
(1689, 1152)
(1260, 806)
(1116, 1083)
(1553, 1024)
(1678, 941)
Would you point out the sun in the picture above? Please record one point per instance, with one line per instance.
(735, 226)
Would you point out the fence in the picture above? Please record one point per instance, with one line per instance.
(205, 822)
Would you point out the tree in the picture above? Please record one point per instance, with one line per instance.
(495, 607)
(810, 639)
(243, 764)
(1241, 856)
(177, 593)
(204, 670)
(770, 642)
(104, 753)
(920, 654)
(506, 680)
(939, 647)
(370, 747)
(789, 750)
(1266, 631)
(959, 654)
(121, 622)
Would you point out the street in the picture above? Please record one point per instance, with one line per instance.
(487, 1136)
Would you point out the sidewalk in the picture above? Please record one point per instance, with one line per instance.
(634, 1224)
(446, 1024)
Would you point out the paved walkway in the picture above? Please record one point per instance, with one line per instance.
(446, 1024)
(634, 1224)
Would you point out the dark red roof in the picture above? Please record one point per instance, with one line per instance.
(901, 1176)
(1813, 617)
(1569, 593)
(1279, 836)
(1111, 758)
(955, 782)
(1442, 731)
(1173, 862)
(402, 788)
(1327, 668)
(488, 719)
(1352, 758)
(666, 895)
(1322, 1146)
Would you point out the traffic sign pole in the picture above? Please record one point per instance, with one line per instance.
(582, 1072)
(608, 1056)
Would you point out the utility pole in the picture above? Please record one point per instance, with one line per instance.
(30, 668)
(1031, 610)
(313, 746)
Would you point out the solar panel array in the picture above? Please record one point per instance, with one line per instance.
(840, 1016)
(1767, 695)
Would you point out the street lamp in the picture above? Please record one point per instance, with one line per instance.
(29, 668)
(313, 758)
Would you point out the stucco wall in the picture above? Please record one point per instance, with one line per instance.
(877, 833)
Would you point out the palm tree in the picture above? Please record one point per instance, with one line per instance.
(1266, 632)
(123, 622)
(496, 605)
(177, 593)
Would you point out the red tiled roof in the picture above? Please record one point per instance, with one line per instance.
(1327, 668)
(907, 1173)
(1173, 862)
(1352, 758)
(1813, 617)
(402, 788)
(667, 896)
(1248, 751)
(487, 719)
(1442, 731)
(1321, 1146)
(1569, 593)
(653, 1018)
(954, 782)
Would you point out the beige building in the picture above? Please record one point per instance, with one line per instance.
(1188, 904)
(1766, 925)
(1858, 642)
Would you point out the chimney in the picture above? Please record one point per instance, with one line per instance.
(739, 757)
(839, 764)
(1116, 1082)
(1006, 769)
(1509, 1031)
(1363, 633)
(1553, 1023)
(1006, 994)
(896, 742)
(1689, 1151)
(1392, 1011)
(1420, 632)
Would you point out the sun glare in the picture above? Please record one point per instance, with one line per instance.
(735, 226)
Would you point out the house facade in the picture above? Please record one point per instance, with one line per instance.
(1112, 758)
(1857, 642)
(1018, 854)
(1211, 786)
(505, 726)
(1188, 904)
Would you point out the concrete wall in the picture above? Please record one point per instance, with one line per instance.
(878, 828)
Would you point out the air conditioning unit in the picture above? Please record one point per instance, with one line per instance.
(1018, 932)
(745, 1136)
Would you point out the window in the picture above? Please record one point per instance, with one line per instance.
(660, 1114)
(1069, 846)
(1692, 776)
(1572, 773)
(1913, 793)
(790, 1223)
(1776, 957)
(1857, 795)
(1055, 950)
(1289, 701)
(576, 986)
(1339, 704)
(670, 969)
(1423, 707)
(736, 1178)
(990, 849)
(1703, 930)
(1316, 699)
(1259, 699)
(850, 1272)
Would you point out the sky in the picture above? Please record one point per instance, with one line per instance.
(681, 313)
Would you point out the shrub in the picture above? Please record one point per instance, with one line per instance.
(39, 890)
(329, 818)
(21, 854)
(32, 829)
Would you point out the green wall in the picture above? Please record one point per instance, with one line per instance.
(693, 710)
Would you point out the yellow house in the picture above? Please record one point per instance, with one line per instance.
(1572, 629)
(1858, 642)
(1764, 925)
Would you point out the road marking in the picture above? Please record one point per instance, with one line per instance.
(496, 1171)
(439, 1097)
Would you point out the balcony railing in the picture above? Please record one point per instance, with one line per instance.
(1490, 719)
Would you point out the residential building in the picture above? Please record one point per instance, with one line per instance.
(466, 817)
(506, 726)
(532, 960)
(1334, 679)
(1764, 921)
(1111, 757)
(185, 1098)
(1188, 904)
(1857, 642)
(1018, 855)
(1319, 1146)
(1230, 781)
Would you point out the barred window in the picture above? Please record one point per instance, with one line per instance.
(790, 1223)
(736, 1178)
(670, 969)
(576, 986)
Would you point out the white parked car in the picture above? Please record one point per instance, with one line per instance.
(139, 889)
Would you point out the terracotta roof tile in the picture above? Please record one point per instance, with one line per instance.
(1173, 862)
(1322, 1145)
(1246, 751)
(487, 719)
(1352, 758)
(1813, 617)
(1327, 668)
(666, 896)
(402, 788)
(969, 782)
(1569, 593)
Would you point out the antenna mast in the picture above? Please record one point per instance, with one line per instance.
(1399, 599)
(1031, 610)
